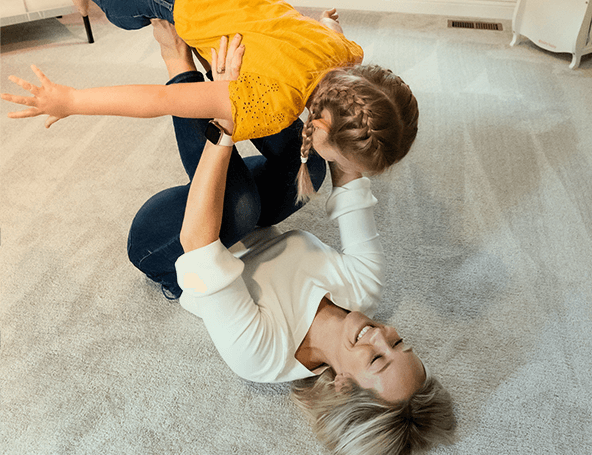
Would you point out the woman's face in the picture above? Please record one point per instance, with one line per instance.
(375, 357)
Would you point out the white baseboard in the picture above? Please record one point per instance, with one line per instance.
(478, 9)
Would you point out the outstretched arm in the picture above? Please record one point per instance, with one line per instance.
(192, 100)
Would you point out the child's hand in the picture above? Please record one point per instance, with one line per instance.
(331, 14)
(226, 65)
(330, 19)
(51, 99)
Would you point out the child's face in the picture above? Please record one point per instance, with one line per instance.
(327, 151)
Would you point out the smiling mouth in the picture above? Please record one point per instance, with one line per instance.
(363, 332)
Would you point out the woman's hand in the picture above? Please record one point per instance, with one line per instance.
(51, 99)
(226, 65)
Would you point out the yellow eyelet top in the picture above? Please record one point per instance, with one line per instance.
(286, 55)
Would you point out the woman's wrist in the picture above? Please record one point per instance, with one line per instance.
(227, 125)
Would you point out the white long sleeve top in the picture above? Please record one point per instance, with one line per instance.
(258, 299)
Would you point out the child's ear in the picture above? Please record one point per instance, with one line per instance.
(322, 124)
(343, 382)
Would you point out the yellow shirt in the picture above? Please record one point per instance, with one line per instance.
(286, 54)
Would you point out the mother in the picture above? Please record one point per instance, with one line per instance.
(287, 307)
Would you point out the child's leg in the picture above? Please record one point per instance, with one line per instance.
(135, 14)
(275, 173)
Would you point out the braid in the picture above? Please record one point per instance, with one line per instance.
(374, 114)
(303, 181)
(374, 118)
(408, 110)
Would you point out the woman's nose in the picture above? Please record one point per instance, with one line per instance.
(379, 338)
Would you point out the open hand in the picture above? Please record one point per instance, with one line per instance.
(226, 64)
(51, 99)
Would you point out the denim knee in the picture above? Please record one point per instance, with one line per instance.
(135, 14)
(240, 215)
(153, 242)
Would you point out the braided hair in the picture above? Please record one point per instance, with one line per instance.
(374, 119)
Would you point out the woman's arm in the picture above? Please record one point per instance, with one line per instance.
(203, 213)
(193, 100)
(362, 262)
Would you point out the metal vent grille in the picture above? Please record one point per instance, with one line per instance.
(475, 25)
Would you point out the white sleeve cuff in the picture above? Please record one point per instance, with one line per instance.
(208, 269)
(354, 195)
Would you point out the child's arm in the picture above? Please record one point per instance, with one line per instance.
(192, 100)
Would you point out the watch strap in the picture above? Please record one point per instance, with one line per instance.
(225, 139)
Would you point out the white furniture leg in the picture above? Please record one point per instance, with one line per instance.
(516, 39)
(575, 60)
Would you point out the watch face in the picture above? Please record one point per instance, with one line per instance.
(213, 133)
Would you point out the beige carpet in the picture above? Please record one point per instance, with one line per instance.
(487, 226)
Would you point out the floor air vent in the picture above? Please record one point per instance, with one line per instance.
(475, 25)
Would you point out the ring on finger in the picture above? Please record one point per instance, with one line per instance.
(221, 70)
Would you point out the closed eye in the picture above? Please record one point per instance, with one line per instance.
(378, 356)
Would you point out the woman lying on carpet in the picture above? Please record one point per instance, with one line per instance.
(292, 62)
(285, 306)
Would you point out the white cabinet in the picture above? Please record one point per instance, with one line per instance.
(555, 25)
(18, 11)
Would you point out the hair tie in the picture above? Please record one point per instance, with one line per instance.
(303, 159)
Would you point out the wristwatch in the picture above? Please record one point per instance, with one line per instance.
(218, 135)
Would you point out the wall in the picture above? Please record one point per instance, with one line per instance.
(477, 9)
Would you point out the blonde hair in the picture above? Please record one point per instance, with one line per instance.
(356, 421)
(374, 119)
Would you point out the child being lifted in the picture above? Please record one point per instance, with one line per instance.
(360, 117)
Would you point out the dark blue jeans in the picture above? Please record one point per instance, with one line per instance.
(135, 14)
(260, 191)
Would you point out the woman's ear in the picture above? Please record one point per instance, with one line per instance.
(343, 382)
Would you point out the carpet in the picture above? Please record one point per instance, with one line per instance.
(487, 227)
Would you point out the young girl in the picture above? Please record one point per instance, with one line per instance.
(363, 114)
